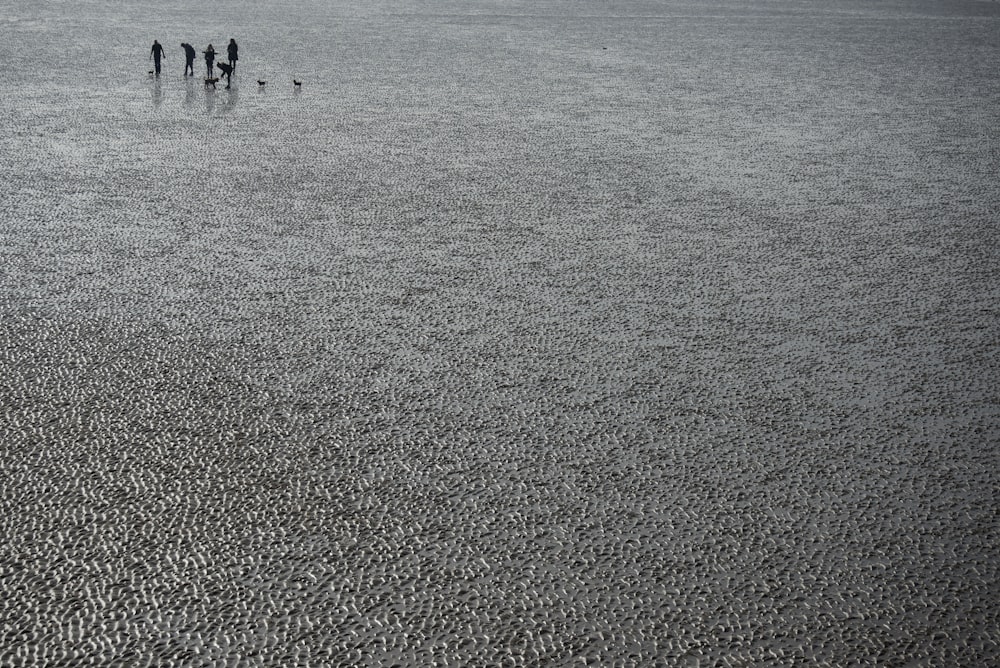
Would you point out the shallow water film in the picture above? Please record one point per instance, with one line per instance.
(550, 333)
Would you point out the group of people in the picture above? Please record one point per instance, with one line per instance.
(227, 69)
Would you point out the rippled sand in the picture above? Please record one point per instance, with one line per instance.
(550, 333)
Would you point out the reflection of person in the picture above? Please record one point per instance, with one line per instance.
(157, 94)
(210, 60)
(156, 53)
(234, 53)
(227, 71)
(188, 58)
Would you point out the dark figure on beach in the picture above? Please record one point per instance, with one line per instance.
(210, 61)
(227, 71)
(189, 54)
(156, 53)
(234, 53)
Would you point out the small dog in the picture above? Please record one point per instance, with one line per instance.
(211, 81)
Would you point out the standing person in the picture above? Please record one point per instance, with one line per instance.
(210, 61)
(188, 58)
(156, 53)
(234, 53)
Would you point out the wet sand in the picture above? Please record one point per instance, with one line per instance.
(550, 334)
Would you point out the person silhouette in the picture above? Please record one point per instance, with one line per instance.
(189, 54)
(234, 53)
(210, 60)
(227, 71)
(156, 53)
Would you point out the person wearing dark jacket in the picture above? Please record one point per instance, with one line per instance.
(227, 71)
(210, 61)
(156, 53)
(189, 54)
(234, 53)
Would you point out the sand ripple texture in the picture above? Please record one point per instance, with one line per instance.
(522, 334)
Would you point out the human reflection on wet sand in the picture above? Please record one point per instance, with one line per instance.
(228, 99)
(156, 93)
(222, 100)
(209, 99)
(189, 92)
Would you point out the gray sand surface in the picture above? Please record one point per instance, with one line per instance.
(538, 333)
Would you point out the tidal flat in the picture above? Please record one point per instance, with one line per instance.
(644, 333)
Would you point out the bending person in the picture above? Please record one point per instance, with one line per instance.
(227, 71)
(188, 58)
